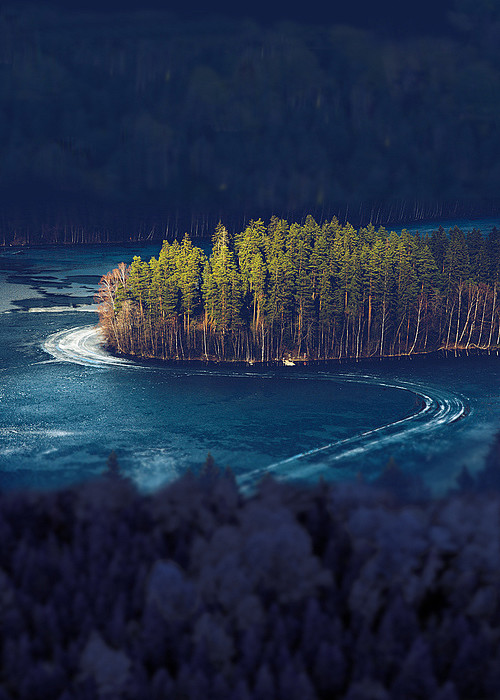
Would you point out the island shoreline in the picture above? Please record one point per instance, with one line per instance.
(300, 364)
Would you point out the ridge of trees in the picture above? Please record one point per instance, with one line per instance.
(101, 112)
(342, 590)
(306, 291)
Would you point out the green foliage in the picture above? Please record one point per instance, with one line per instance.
(225, 283)
(313, 290)
(456, 267)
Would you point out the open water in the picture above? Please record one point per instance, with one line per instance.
(65, 403)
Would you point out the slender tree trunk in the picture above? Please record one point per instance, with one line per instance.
(449, 327)
(473, 323)
(382, 329)
(418, 324)
(458, 312)
(493, 304)
(482, 318)
(469, 309)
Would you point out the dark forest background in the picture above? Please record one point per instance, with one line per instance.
(138, 124)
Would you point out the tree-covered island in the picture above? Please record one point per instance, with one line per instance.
(283, 292)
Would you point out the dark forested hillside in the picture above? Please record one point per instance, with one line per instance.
(313, 291)
(121, 126)
(295, 593)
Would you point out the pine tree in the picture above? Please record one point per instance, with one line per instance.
(456, 266)
(190, 263)
(225, 284)
(474, 240)
(322, 288)
(249, 243)
(319, 290)
(299, 248)
(438, 245)
(372, 260)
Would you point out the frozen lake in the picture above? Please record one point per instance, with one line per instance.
(65, 404)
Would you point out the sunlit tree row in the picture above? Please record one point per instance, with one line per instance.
(286, 291)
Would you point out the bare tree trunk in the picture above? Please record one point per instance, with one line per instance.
(447, 344)
(458, 312)
(418, 324)
(473, 323)
(493, 304)
(482, 318)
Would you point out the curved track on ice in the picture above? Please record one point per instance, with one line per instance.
(82, 345)
(438, 408)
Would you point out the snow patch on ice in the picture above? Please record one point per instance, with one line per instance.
(83, 346)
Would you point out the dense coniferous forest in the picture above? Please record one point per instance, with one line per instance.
(290, 292)
(294, 593)
(140, 124)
